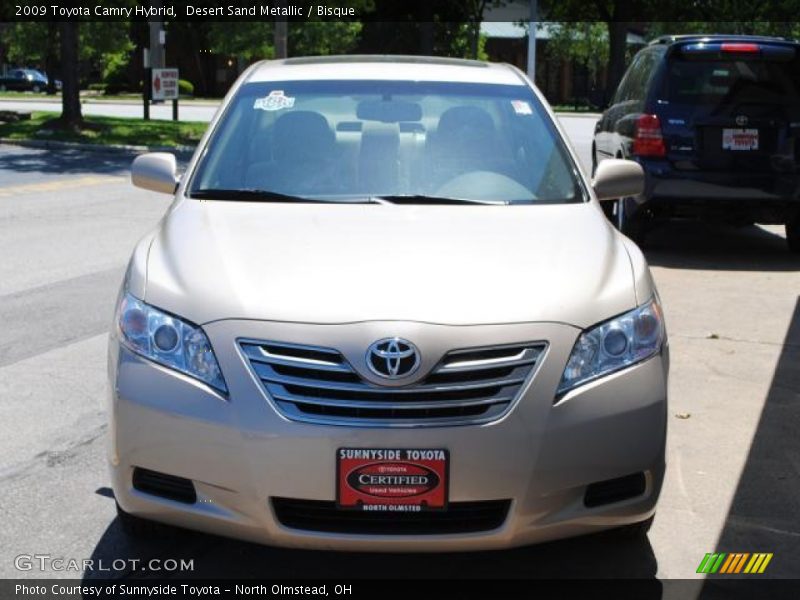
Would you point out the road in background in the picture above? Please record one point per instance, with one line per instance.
(187, 110)
(68, 221)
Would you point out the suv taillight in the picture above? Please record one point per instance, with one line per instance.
(740, 48)
(648, 141)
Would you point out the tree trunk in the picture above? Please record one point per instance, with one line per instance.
(70, 97)
(618, 42)
(51, 58)
(281, 34)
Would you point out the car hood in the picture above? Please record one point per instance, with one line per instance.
(455, 265)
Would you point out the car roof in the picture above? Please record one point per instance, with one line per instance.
(385, 68)
(718, 37)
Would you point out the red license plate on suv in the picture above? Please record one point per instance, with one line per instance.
(392, 479)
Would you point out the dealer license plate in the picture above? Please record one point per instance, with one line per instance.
(392, 479)
(740, 139)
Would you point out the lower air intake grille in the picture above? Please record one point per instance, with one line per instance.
(615, 490)
(164, 486)
(318, 385)
(460, 517)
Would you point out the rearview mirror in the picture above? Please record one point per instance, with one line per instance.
(388, 111)
(155, 171)
(616, 178)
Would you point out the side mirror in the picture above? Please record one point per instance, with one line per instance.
(616, 178)
(155, 171)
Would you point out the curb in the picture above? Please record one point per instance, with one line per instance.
(182, 102)
(111, 149)
(580, 115)
(92, 100)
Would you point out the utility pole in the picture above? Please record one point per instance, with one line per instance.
(533, 19)
(158, 38)
(281, 33)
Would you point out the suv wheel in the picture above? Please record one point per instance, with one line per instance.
(793, 233)
(629, 222)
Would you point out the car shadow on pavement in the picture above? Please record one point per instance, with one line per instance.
(601, 556)
(764, 515)
(719, 247)
(63, 162)
(17, 159)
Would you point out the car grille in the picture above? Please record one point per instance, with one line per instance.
(318, 385)
(460, 517)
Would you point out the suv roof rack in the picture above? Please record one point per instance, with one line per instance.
(669, 39)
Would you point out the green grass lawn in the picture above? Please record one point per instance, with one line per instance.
(108, 131)
(96, 97)
(25, 96)
(576, 109)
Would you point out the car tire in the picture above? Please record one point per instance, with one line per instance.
(635, 531)
(793, 234)
(36, 89)
(629, 223)
(137, 527)
(3, 87)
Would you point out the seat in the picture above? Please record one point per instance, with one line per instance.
(303, 153)
(378, 162)
(465, 141)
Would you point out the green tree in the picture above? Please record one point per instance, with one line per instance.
(322, 37)
(585, 42)
(790, 29)
(253, 40)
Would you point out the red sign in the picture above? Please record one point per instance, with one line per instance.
(392, 480)
(165, 84)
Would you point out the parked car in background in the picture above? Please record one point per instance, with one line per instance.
(385, 311)
(25, 80)
(715, 123)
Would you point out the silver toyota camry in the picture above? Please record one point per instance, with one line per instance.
(385, 311)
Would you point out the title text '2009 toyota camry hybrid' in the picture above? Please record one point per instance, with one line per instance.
(385, 311)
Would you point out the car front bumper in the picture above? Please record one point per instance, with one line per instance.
(240, 452)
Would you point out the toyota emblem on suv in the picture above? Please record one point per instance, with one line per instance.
(741, 120)
(393, 358)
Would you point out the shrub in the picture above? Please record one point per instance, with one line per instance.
(185, 88)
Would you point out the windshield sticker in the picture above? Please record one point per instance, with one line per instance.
(274, 101)
(521, 107)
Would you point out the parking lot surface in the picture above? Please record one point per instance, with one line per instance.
(68, 221)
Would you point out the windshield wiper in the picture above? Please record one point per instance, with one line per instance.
(422, 199)
(254, 195)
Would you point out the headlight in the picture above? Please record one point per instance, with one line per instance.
(614, 345)
(168, 341)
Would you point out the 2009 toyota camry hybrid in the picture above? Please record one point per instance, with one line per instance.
(385, 311)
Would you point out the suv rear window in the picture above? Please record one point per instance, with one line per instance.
(726, 81)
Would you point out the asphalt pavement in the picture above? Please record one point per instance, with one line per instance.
(68, 221)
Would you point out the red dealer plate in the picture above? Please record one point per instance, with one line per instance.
(740, 139)
(391, 479)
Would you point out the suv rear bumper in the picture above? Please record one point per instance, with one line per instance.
(764, 197)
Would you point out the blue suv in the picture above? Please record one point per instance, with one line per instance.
(715, 123)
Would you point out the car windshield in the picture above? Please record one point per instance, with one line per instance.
(387, 141)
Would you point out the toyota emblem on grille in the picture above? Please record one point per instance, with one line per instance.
(741, 120)
(393, 358)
